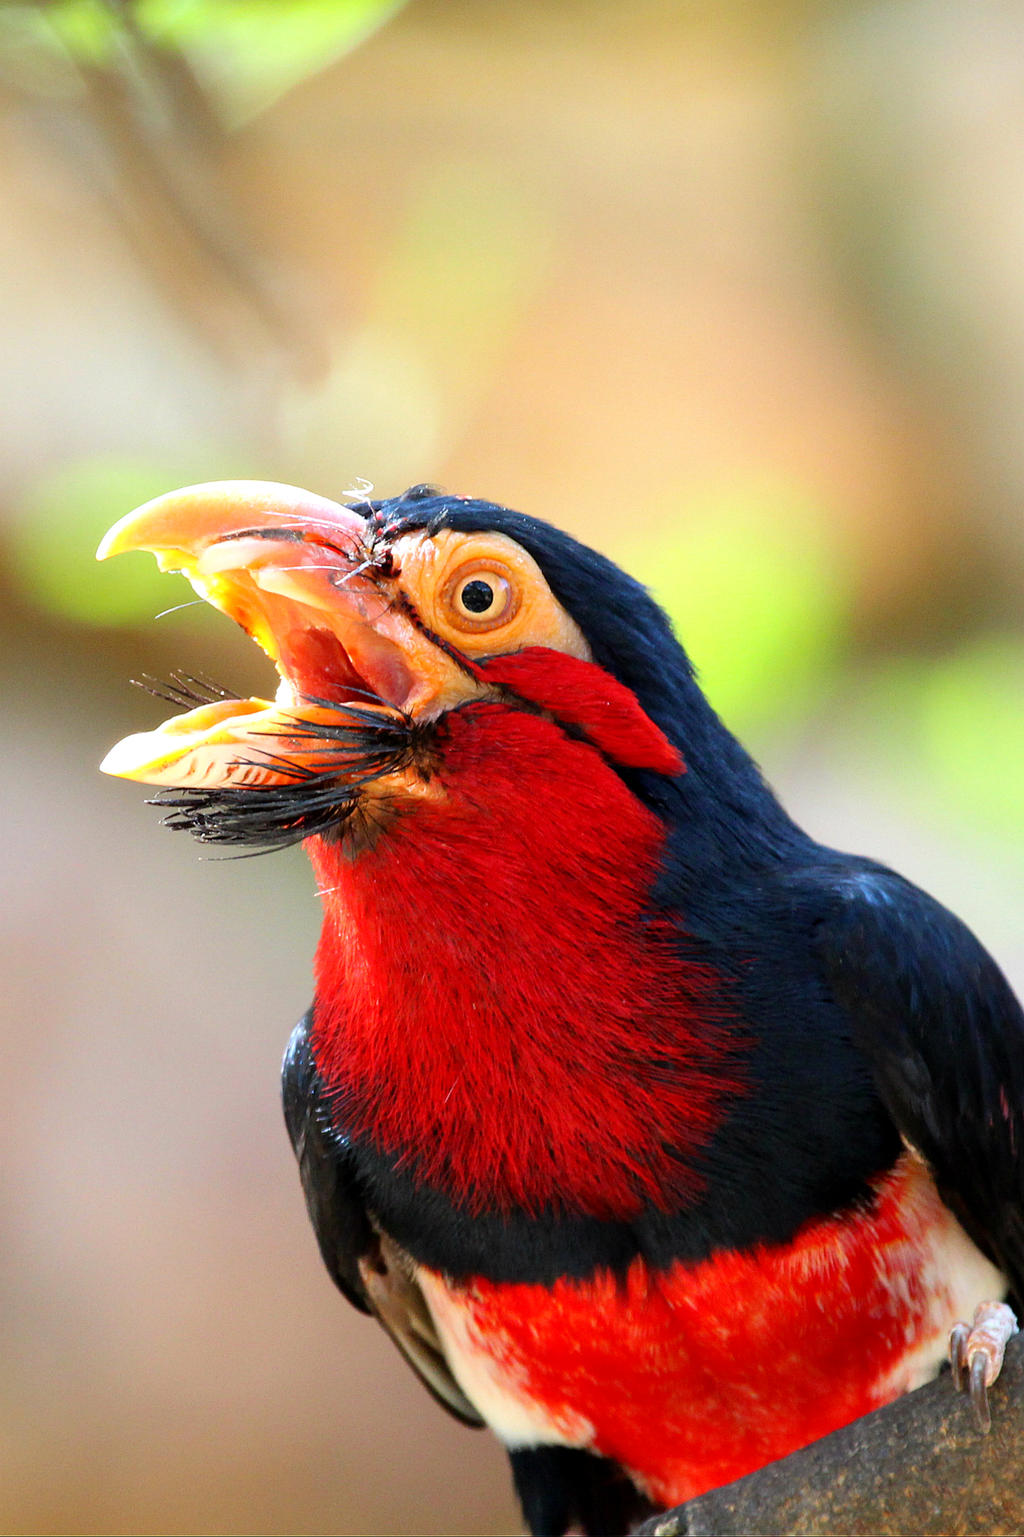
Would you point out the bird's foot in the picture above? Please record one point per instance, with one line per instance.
(976, 1355)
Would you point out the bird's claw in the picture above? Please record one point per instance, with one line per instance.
(976, 1356)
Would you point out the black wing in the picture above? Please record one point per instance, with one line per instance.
(375, 1273)
(945, 1036)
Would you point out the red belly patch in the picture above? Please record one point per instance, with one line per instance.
(693, 1376)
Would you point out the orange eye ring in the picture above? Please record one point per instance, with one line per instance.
(465, 598)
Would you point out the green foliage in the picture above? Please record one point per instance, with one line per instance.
(758, 597)
(247, 52)
(56, 531)
(971, 722)
(251, 51)
(87, 29)
(946, 733)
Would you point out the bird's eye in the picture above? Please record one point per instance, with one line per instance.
(477, 596)
(480, 597)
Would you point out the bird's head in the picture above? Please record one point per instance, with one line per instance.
(382, 619)
(513, 793)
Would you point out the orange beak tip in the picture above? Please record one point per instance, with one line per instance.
(151, 525)
(108, 544)
(123, 759)
(177, 526)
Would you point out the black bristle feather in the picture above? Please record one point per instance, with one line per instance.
(320, 800)
(183, 689)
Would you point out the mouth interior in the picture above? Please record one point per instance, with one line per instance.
(311, 659)
(313, 664)
(254, 743)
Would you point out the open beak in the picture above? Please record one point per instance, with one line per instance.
(296, 572)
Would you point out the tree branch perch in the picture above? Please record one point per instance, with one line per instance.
(917, 1467)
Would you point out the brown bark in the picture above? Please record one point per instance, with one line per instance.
(915, 1468)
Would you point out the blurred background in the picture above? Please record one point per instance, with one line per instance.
(733, 292)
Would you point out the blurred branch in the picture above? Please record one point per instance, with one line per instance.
(175, 204)
(915, 1468)
(194, 115)
(160, 153)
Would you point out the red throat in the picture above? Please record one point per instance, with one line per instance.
(497, 1005)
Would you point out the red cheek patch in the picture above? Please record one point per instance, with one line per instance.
(582, 694)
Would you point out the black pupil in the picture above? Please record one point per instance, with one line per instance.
(477, 596)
